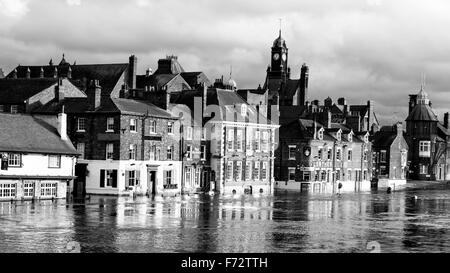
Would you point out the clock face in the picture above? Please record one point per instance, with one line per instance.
(283, 56)
(276, 56)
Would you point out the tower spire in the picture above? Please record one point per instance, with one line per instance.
(280, 26)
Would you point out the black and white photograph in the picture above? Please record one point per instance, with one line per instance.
(224, 127)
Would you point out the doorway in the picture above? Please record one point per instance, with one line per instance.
(151, 182)
(79, 184)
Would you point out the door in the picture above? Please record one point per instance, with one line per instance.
(79, 184)
(151, 182)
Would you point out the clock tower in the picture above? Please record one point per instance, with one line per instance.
(279, 60)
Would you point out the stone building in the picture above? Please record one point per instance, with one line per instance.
(37, 167)
(239, 139)
(126, 145)
(312, 157)
(389, 156)
(427, 139)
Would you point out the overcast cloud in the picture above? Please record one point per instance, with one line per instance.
(359, 49)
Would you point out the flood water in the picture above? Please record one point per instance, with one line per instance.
(285, 222)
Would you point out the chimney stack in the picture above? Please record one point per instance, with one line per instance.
(446, 120)
(59, 90)
(132, 67)
(62, 124)
(148, 72)
(304, 78)
(399, 127)
(94, 92)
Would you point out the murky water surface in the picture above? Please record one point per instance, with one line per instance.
(285, 222)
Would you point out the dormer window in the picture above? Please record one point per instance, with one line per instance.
(350, 137)
(320, 134)
(366, 138)
(338, 135)
(243, 110)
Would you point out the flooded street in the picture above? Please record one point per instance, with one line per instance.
(286, 222)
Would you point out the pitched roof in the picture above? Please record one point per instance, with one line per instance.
(137, 107)
(107, 74)
(422, 112)
(16, 91)
(194, 78)
(15, 136)
(383, 138)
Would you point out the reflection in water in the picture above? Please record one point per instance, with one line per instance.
(286, 222)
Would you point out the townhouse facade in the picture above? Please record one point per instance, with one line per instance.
(38, 167)
(312, 157)
(389, 156)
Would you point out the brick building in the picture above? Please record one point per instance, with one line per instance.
(389, 156)
(427, 139)
(312, 157)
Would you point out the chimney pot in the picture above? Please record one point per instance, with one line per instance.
(62, 125)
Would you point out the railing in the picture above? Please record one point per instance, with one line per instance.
(171, 186)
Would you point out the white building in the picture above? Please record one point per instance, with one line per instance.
(37, 161)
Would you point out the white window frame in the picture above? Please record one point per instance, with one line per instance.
(238, 143)
(424, 148)
(170, 127)
(338, 154)
(28, 188)
(170, 152)
(8, 190)
(248, 170)
(81, 124)
(189, 151)
(238, 171)
(132, 152)
(257, 140)
(14, 160)
(110, 124)
(152, 127)
(168, 177)
(264, 171)
(109, 150)
(230, 139)
(349, 155)
(49, 189)
(189, 132)
(256, 171)
(320, 134)
(54, 164)
(291, 170)
(292, 155)
(229, 171)
(203, 152)
(133, 125)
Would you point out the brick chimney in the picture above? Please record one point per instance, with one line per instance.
(59, 90)
(132, 67)
(62, 125)
(446, 120)
(399, 127)
(94, 93)
(304, 78)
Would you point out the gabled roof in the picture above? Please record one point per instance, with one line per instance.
(16, 91)
(383, 138)
(25, 133)
(194, 78)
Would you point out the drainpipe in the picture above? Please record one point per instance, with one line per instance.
(334, 166)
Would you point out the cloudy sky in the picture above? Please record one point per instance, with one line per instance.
(359, 49)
